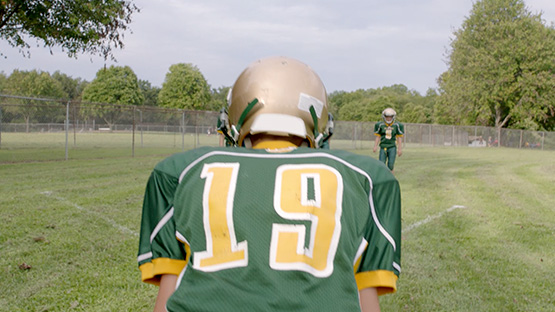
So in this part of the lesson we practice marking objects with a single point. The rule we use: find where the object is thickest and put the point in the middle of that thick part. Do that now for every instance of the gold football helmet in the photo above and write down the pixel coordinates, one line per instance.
(277, 96)
(389, 113)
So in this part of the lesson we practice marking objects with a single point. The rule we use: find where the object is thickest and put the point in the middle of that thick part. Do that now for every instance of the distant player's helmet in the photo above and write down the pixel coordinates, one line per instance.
(278, 96)
(389, 113)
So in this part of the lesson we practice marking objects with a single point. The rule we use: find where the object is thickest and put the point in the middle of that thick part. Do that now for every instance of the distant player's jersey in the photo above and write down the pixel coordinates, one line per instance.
(252, 230)
(388, 133)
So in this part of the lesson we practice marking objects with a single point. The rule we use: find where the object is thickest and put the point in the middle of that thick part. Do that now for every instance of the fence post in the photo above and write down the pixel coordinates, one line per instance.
(354, 141)
(67, 129)
(543, 139)
(405, 137)
(520, 142)
(421, 135)
(141, 125)
(74, 128)
(360, 127)
(183, 131)
(197, 142)
(133, 135)
(0, 127)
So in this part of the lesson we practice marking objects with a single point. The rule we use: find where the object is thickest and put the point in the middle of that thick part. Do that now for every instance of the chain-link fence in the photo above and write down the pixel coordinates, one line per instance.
(47, 126)
(361, 135)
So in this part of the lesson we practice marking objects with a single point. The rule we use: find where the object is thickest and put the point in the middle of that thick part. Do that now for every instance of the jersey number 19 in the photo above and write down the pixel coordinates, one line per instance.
(311, 192)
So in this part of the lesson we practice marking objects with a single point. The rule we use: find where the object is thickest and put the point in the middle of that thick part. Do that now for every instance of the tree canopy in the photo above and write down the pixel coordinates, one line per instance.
(77, 26)
(184, 87)
(218, 98)
(367, 105)
(150, 93)
(115, 85)
(73, 87)
(3, 79)
(32, 84)
(501, 69)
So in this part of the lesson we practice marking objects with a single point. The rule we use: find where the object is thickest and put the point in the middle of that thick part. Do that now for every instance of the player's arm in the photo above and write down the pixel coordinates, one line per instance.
(377, 134)
(376, 143)
(400, 139)
(160, 253)
(369, 301)
(399, 145)
(167, 287)
(378, 267)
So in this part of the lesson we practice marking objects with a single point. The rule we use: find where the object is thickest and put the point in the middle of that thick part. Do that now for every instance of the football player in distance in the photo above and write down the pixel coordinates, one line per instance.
(276, 223)
(389, 134)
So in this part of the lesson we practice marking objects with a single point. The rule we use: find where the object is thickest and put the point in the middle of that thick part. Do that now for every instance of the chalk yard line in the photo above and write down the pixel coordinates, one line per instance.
(95, 214)
(430, 218)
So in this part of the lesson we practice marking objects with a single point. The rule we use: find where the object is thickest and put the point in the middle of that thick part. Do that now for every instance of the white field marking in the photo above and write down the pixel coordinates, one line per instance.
(97, 215)
(430, 218)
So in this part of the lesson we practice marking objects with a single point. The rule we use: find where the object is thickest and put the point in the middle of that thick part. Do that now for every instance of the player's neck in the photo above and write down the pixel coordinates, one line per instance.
(268, 141)
(273, 144)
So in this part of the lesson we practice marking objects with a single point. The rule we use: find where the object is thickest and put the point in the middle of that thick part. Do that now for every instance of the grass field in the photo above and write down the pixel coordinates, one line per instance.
(21, 147)
(478, 229)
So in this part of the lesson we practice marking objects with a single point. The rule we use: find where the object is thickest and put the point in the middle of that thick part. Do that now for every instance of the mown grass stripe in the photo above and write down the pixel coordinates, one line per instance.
(96, 215)
(430, 218)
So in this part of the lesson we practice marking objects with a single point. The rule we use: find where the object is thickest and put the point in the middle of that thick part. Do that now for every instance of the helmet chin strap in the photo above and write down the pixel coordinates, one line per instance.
(222, 126)
(223, 121)
(321, 139)
(329, 130)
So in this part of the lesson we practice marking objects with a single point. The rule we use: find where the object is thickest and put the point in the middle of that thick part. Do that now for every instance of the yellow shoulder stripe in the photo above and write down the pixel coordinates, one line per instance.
(151, 271)
(385, 281)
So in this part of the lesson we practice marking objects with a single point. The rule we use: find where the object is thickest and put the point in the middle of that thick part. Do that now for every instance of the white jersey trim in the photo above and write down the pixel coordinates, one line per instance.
(397, 266)
(360, 250)
(161, 224)
(144, 256)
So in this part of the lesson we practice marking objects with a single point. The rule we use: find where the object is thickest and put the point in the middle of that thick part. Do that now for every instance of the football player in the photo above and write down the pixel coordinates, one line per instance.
(389, 134)
(272, 222)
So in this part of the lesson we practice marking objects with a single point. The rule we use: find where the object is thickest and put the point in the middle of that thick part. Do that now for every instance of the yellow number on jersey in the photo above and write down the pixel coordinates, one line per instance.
(311, 193)
(388, 133)
(222, 249)
(302, 192)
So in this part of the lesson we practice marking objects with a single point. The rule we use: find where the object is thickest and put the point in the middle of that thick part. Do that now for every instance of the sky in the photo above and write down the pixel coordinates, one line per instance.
(351, 44)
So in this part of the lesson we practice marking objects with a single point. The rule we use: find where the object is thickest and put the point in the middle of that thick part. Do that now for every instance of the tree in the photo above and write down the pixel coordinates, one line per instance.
(218, 98)
(501, 69)
(94, 27)
(365, 108)
(351, 105)
(114, 85)
(415, 113)
(33, 84)
(3, 79)
(150, 93)
(184, 87)
(367, 105)
(72, 87)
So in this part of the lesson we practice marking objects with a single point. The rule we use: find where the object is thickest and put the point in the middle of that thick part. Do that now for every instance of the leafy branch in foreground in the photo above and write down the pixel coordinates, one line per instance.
(77, 26)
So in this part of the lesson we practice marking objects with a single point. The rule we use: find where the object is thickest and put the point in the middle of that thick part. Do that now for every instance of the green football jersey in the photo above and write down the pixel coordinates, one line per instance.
(388, 133)
(256, 230)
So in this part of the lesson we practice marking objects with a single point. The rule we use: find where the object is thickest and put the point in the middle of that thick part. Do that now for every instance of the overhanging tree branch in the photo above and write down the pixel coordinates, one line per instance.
(74, 25)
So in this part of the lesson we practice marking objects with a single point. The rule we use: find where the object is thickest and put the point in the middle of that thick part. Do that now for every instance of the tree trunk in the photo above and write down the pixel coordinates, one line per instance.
(500, 124)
